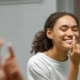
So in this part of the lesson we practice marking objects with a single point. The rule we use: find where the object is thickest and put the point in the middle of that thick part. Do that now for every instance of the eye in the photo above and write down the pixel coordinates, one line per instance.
(63, 29)
(75, 30)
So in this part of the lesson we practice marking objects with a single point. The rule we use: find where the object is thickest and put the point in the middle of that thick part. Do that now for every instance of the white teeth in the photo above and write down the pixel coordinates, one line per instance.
(69, 40)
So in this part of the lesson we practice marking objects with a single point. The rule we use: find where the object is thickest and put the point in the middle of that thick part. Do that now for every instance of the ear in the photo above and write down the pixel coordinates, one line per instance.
(49, 33)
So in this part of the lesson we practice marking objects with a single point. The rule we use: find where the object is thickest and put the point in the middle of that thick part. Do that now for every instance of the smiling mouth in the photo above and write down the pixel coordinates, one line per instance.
(68, 41)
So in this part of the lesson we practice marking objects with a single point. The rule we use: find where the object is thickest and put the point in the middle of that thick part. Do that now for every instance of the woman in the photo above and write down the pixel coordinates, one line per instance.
(51, 62)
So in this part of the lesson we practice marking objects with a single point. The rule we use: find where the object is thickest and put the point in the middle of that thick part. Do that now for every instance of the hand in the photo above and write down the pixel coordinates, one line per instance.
(74, 53)
(1, 44)
(2, 75)
(11, 66)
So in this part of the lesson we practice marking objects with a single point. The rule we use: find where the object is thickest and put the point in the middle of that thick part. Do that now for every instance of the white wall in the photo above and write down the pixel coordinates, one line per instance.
(19, 23)
(77, 12)
(65, 5)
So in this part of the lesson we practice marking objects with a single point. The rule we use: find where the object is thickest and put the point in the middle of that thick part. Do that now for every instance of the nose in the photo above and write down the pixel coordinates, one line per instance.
(70, 32)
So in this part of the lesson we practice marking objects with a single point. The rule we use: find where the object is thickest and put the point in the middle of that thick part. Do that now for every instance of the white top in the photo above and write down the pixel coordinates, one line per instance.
(42, 67)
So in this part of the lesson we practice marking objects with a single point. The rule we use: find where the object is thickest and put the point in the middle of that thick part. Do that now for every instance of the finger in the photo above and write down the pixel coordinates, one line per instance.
(11, 50)
(1, 42)
(0, 62)
(71, 48)
(74, 44)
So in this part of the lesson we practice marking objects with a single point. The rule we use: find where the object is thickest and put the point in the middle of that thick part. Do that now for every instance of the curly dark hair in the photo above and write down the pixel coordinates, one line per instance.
(41, 42)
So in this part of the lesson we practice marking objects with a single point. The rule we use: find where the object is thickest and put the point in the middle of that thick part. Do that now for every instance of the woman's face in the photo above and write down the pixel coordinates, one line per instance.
(62, 32)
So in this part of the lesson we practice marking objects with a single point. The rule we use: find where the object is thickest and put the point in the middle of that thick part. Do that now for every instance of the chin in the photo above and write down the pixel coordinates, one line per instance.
(67, 46)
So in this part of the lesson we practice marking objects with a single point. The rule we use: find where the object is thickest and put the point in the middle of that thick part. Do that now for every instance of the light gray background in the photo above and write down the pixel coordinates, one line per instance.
(20, 22)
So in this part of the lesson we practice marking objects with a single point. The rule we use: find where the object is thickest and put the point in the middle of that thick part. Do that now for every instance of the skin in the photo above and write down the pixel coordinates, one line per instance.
(2, 75)
(9, 70)
(58, 34)
(63, 29)
(11, 67)
(74, 54)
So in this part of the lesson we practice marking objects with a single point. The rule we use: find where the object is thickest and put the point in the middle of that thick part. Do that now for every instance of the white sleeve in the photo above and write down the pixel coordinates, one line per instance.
(35, 74)
(37, 71)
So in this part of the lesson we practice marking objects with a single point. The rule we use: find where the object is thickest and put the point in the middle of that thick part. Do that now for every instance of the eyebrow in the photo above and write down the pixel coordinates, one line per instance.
(68, 26)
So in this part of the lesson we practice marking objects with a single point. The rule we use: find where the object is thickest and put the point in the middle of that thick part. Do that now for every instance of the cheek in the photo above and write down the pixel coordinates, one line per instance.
(58, 36)
(61, 34)
(77, 35)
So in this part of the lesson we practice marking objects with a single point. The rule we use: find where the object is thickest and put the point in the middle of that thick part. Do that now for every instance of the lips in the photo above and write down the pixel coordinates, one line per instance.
(68, 41)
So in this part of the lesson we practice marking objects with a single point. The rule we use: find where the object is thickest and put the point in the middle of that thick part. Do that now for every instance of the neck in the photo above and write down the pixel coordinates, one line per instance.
(57, 54)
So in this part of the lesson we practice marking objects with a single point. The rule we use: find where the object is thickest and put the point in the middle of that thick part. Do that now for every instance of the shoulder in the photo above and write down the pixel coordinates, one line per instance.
(37, 62)
(34, 60)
